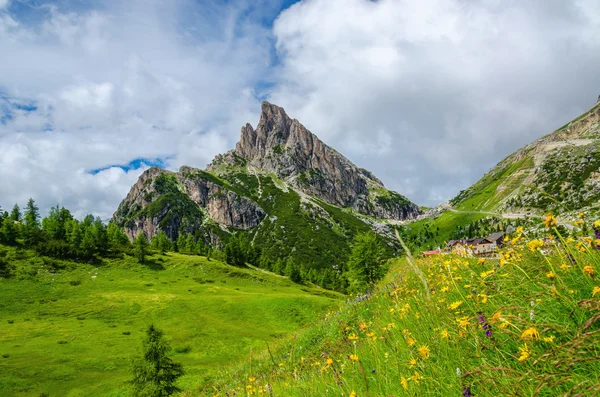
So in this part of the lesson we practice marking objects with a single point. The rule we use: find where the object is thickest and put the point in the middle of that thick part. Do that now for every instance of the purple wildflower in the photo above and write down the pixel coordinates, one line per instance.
(467, 391)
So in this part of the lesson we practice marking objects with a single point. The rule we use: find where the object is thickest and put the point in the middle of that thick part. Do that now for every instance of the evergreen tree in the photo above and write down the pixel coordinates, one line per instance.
(200, 248)
(180, 243)
(161, 242)
(292, 271)
(365, 264)
(54, 224)
(117, 239)
(100, 236)
(278, 266)
(74, 235)
(15, 214)
(190, 244)
(154, 373)
(31, 223)
(234, 254)
(88, 244)
(140, 247)
(9, 232)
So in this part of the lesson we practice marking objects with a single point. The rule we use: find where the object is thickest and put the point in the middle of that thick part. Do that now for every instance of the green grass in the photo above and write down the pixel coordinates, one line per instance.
(487, 193)
(431, 233)
(72, 333)
(436, 342)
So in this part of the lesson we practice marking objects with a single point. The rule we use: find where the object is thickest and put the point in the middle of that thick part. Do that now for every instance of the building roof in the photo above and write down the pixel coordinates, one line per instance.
(495, 236)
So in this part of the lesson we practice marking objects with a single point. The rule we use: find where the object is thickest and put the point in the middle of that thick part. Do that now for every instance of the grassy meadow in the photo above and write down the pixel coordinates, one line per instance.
(525, 324)
(73, 331)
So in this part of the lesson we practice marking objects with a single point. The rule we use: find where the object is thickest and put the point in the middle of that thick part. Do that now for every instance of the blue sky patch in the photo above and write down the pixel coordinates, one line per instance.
(134, 164)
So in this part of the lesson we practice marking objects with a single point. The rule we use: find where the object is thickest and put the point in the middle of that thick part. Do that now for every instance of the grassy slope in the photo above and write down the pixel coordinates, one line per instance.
(398, 333)
(212, 313)
(487, 193)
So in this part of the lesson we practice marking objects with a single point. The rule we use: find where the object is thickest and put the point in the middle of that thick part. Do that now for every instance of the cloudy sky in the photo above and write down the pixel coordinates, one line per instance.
(426, 94)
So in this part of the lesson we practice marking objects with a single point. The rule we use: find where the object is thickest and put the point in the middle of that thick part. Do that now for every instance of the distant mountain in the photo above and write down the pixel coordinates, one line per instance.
(282, 188)
(559, 172)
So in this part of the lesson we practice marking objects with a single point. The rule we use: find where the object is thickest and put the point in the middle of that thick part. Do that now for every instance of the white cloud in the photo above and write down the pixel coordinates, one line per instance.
(428, 95)
(123, 81)
(453, 86)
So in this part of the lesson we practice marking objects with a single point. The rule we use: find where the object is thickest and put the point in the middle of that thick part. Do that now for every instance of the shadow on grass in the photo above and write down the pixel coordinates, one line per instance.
(153, 264)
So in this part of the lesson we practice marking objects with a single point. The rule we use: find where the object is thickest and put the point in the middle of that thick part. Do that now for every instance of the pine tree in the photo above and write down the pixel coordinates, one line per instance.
(31, 223)
(365, 264)
(190, 244)
(88, 243)
(154, 373)
(140, 247)
(74, 235)
(9, 232)
(180, 244)
(117, 239)
(161, 242)
(292, 271)
(234, 254)
(15, 214)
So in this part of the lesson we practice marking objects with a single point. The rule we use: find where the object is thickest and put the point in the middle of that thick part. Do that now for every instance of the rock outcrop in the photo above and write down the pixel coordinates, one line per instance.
(183, 201)
(285, 147)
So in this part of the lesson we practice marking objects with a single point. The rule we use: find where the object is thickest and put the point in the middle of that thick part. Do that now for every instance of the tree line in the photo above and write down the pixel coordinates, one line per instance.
(59, 235)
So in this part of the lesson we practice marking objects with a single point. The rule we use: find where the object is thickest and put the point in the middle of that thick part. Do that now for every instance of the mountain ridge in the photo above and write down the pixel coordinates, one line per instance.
(276, 189)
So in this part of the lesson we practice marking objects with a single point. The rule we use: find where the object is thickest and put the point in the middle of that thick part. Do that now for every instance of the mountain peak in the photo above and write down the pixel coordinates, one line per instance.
(283, 146)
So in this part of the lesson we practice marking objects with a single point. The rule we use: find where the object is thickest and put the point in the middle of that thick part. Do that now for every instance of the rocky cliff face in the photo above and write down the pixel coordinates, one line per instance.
(183, 202)
(285, 147)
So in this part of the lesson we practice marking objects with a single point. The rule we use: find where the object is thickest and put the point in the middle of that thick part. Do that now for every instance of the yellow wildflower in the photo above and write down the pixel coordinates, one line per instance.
(424, 352)
(404, 382)
(524, 353)
(445, 334)
(597, 224)
(412, 362)
(495, 317)
(588, 270)
(551, 275)
(353, 337)
(480, 260)
(463, 322)
(410, 341)
(444, 289)
(485, 274)
(353, 357)
(519, 230)
(530, 334)
(534, 245)
(580, 215)
(549, 339)
(353, 394)
(550, 221)
(329, 361)
(416, 377)
(363, 326)
(251, 380)
(484, 298)
(564, 267)
(595, 291)
(455, 305)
